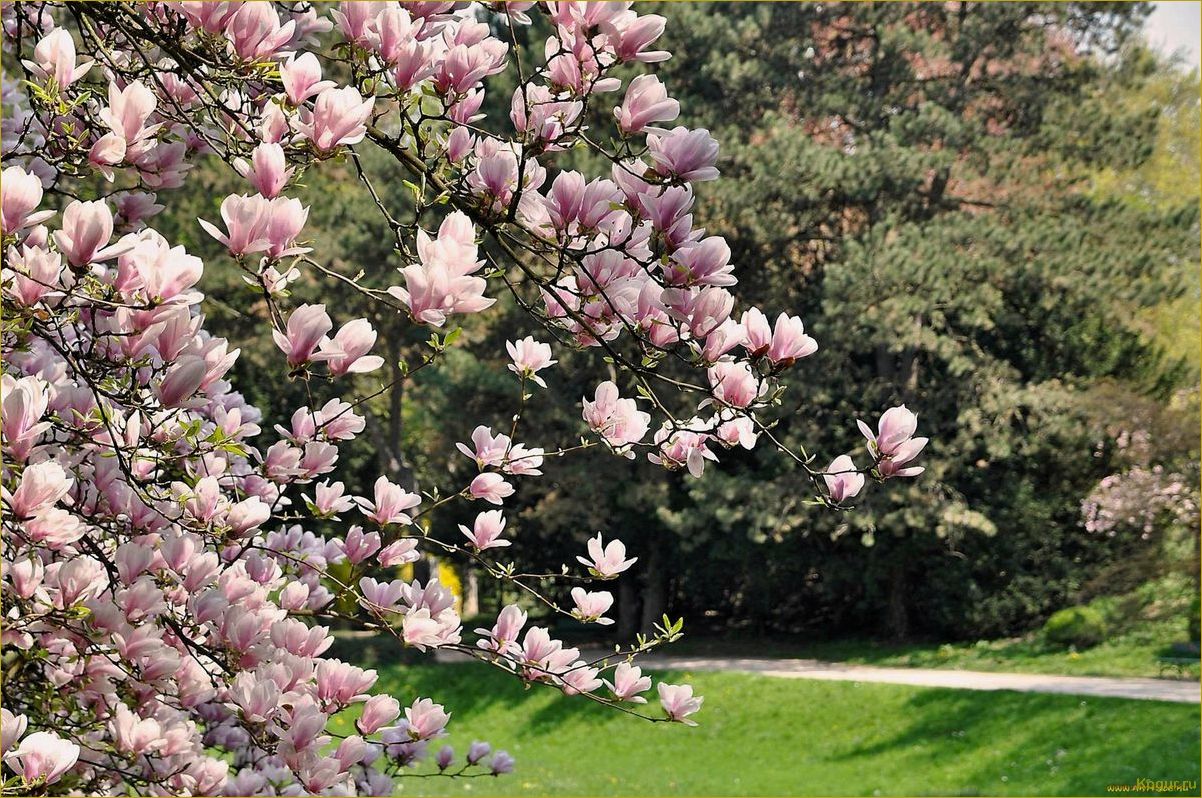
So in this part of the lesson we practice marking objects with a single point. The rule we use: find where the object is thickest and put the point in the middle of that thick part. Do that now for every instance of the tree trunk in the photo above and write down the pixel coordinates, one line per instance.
(390, 454)
(897, 617)
(628, 610)
(655, 592)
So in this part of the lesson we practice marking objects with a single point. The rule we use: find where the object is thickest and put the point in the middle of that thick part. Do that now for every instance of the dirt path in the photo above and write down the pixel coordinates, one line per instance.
(1185, 692)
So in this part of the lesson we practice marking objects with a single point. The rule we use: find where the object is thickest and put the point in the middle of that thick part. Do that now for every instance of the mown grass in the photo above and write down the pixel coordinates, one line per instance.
(765, 736)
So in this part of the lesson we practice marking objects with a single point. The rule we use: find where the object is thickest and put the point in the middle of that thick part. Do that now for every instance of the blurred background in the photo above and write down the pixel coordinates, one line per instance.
(989, 212)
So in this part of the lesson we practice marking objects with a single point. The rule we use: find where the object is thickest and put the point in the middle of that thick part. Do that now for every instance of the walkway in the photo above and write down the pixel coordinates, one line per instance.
(1185, 692)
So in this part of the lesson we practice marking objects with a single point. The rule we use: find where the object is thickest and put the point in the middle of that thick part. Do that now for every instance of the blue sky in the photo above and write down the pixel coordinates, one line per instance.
(1174, 26)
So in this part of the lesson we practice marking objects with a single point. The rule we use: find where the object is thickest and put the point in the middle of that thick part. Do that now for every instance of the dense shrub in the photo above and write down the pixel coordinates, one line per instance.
(1079, 627)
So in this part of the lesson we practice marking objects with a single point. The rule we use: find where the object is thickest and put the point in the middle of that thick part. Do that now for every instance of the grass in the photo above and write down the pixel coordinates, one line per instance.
(764, 736)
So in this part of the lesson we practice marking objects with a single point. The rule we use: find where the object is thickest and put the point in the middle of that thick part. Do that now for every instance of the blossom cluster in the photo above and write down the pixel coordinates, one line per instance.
(168, 593)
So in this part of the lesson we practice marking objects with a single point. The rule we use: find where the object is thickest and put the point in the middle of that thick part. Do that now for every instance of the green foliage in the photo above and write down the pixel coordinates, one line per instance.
(1079, 627)
(968, 220)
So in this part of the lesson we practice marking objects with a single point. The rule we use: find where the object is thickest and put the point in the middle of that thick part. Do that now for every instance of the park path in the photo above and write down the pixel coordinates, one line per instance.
(1180, 691)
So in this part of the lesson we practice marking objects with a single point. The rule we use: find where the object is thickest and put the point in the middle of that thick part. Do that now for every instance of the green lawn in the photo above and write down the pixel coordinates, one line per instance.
(764, 736)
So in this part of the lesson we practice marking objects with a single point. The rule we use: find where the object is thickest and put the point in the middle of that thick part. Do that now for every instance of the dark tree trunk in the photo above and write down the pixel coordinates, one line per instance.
(391, 454)
(628, 610)
(655, 592)
(897, 617)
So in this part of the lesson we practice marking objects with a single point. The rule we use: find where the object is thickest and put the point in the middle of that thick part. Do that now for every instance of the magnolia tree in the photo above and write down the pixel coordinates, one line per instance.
(165, 587)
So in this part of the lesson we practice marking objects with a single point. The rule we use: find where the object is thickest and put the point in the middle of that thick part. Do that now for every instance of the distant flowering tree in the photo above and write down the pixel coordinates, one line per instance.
(1145, 499)
(164, 587)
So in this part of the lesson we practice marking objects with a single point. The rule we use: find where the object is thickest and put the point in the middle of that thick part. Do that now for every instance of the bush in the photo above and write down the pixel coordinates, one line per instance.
(1080, 627)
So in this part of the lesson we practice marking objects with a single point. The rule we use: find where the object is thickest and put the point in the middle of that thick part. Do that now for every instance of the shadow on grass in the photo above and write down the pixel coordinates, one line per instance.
(1075, 746)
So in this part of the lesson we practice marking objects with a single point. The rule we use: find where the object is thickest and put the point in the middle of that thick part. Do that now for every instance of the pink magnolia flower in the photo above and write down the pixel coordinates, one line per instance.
(349, 349)
(42, 485)
(283, 220)
(477, 751)
(842, 480)
(487, 449)
(244, 217)
(133, 208)
(426, 719)
(502, 638)
(391, 503)
(606, 561)
(646, 101)
(705, 309)
(536, 111)
(301, 76)
(330, 499)
(579, 678)
(306, 330)
(501, 763)
(682, 448)
(705, 262)
(350, 752)
(486, 531)
(523, 460)
(127, 113)
(36, 272)
(12, 728)
(399, 553)
(678, 702)
(360, 545)
(590, 605)
(24, 404)
(267, 171)
(443, 282)
(723, 338)
(490, 487)
(26, 576)
(381, 596)
(894, 443)
(210, 16)
(355, 18)
(342, 684)
(684, 154)
(529, 357)
(54, 57)
(255, 31)
(617, 420)
(757, 332)
(894, 465)
(135, 735)
(20, 195)
(897, 425)
(378, 711)
(87, 228)
(42, 756)
(737, 431)
(630, 35)
(735, 383)
(339, 117)
(789, 341)
(628, 682)
(108, 151)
